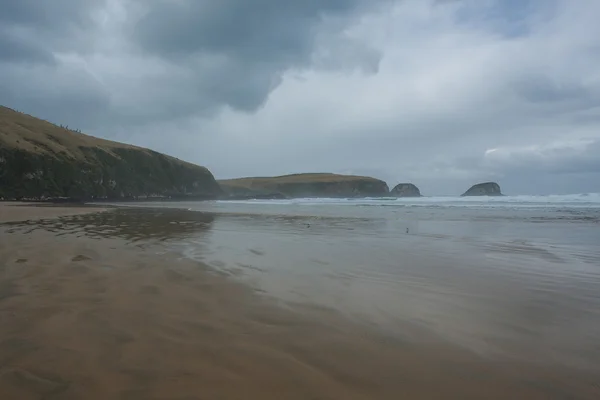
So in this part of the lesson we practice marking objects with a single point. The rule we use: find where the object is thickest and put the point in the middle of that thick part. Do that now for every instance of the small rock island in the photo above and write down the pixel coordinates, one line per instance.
(484, 189)
(405, 190)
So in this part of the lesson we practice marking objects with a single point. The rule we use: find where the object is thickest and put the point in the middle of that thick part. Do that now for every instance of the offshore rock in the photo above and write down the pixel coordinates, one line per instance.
(484, 189)
(405, 190)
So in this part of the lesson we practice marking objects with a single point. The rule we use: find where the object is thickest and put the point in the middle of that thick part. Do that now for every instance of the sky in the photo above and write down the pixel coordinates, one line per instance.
(440, 93)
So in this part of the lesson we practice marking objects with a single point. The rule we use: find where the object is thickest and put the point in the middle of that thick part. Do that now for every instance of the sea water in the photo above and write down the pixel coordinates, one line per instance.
(512, 276)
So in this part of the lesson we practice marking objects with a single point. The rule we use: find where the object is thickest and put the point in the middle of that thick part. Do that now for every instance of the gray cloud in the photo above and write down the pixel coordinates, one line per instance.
(156, 60)
(18, 49)
(249, 44)
(32, 33)
(57, 24)
(542, 89)
(54, 16)
(442, 93)
(267, 30)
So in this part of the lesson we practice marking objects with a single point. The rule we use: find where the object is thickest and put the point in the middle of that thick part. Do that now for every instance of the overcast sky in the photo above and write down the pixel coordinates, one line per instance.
(442, 93)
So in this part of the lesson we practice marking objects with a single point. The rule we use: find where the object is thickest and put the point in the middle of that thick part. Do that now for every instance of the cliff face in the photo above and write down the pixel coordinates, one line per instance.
(484, 189)
(307, 185)
(405, 190)
(42, 160)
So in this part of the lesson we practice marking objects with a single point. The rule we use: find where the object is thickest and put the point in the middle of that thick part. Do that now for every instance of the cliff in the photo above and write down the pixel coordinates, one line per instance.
(484, 189)
(41, 160)
(405, 190)
(306, 185)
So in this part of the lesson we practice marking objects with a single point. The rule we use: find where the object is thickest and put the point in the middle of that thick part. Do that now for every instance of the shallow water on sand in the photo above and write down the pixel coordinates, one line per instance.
(512, 280)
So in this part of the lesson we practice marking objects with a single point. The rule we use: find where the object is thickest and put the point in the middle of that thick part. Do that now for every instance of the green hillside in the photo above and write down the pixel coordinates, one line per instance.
(42, 160)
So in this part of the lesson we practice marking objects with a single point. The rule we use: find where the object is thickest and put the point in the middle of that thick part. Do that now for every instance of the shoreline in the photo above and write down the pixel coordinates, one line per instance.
(99, 318)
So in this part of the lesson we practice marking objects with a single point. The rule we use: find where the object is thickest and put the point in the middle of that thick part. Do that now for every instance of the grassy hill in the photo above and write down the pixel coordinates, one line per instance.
(42, 160)
(306, 185)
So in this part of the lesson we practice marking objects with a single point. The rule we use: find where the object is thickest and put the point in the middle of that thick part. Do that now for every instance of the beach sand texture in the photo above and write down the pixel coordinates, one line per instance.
(84, 318)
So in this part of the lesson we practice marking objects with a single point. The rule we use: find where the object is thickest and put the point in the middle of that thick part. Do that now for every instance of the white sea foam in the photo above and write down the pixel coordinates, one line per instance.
(588, 200)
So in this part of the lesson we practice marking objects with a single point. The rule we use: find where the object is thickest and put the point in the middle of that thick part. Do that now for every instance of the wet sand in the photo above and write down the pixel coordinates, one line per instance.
(84, 318)
(15, 211)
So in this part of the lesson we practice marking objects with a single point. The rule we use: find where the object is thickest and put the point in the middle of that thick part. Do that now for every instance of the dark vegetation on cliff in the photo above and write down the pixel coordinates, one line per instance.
(484, 189)
(305, 185)
(41, 160)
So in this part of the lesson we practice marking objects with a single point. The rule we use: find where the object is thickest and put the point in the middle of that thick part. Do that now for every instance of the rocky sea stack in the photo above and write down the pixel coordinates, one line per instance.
(405, 190)
(40, 160)
(305, 185)
(484, 189)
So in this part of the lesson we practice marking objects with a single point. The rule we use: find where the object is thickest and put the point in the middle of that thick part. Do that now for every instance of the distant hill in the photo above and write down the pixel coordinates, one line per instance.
(305, 185)
(41, 160)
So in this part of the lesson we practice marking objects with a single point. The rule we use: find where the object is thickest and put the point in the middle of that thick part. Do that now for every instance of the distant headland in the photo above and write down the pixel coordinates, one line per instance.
(306, 185)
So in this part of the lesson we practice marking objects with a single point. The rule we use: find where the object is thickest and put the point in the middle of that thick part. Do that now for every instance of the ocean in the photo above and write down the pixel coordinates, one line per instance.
(506, 277)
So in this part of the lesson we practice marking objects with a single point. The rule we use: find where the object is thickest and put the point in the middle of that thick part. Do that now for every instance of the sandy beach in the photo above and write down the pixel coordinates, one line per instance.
(84, 318)
(15, 211)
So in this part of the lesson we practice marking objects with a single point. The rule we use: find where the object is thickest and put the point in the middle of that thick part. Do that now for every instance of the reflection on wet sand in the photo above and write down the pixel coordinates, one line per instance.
(133, 225)
(493, 287)
(99, 319)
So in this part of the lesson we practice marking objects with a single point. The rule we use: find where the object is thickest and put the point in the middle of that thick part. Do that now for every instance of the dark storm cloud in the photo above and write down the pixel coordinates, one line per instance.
(30, 29)
(205, 55)
(266, 31)
(53, 15)
(253, 41)
(193, 57)
(32, 79)
(16, 49)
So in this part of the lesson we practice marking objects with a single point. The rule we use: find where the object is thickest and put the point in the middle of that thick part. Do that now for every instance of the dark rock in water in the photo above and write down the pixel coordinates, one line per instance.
(405, 190)
(307, 185)
(40, 160)
(484, 189)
